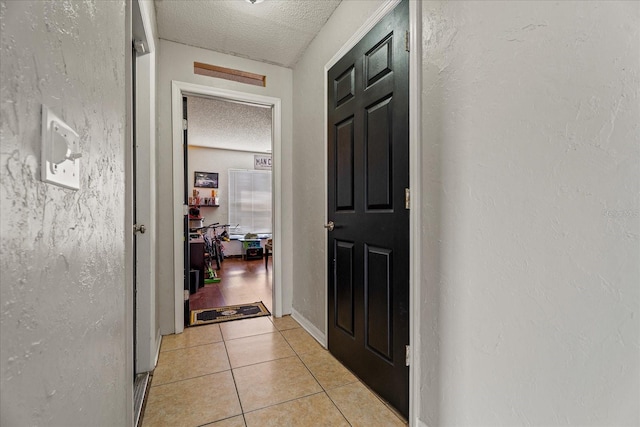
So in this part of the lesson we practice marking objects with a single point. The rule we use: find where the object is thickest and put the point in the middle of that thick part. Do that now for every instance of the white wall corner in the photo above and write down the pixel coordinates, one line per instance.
(309, 327)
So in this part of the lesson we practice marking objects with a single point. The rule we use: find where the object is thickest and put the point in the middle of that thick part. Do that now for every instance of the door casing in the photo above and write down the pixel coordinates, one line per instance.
(128, 220)
(415, 139)
(179, 89)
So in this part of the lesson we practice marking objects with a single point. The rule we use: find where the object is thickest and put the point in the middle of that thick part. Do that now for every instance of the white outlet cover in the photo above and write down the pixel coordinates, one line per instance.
(60, 158)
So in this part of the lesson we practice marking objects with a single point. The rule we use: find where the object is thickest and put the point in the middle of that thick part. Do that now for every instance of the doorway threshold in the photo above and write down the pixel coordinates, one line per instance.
(140, 385)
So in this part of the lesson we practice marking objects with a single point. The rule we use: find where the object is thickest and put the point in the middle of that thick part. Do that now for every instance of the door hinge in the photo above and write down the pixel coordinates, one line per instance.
(184, 124)
(407, 198)
(407, 42)
(407, 355)
(139, 47)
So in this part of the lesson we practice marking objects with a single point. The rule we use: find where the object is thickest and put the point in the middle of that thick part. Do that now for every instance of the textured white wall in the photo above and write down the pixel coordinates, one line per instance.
(309, 266)
(62, 352)
(176, 63)
(531, 141)
(219, 161)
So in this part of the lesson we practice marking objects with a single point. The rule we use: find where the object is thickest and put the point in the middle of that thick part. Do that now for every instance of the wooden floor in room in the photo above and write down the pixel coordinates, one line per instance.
(241, 282)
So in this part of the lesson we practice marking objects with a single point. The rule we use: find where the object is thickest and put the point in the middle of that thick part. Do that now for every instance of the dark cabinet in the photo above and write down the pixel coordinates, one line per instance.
(196, 247)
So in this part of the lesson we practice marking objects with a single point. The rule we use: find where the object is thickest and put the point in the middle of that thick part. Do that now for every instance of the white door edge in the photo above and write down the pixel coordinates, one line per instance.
(178, 90)
(146, 329)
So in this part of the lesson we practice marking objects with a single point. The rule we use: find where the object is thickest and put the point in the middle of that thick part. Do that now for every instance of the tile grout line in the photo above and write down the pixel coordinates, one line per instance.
(235, 384)
(192, 346)
(265, 361)
(232, 369)
(257, 363)
(243, 412)
(192, 378)
(286, 401)
(221, 419)
(251, 336)
(244, 418)
(380, 399)
(283, 402)
(357, 380)
(326, 392)
(188, 346)
(339, 410)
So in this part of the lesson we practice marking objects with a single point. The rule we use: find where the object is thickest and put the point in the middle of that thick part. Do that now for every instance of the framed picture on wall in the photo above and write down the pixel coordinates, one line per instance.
(205, 179)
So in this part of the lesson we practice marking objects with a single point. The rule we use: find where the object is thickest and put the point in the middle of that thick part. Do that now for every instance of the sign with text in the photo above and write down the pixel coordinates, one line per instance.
(262, 162)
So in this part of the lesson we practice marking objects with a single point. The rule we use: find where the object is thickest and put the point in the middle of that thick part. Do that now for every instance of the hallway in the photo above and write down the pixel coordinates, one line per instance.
(256, 372)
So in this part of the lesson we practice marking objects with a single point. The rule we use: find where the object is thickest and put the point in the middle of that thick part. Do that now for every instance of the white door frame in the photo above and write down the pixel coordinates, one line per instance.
(415, 152)
(178, 90)
(128, 220)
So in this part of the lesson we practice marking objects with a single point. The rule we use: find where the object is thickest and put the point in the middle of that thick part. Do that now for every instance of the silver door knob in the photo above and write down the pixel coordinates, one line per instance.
(139, 228)
(330, 226)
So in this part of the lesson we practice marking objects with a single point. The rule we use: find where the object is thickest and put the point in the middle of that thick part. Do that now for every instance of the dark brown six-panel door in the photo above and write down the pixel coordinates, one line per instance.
(368, 171)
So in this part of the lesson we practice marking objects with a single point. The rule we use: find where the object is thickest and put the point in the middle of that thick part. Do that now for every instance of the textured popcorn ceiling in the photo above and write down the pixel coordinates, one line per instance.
(275, 31)
(228, 125)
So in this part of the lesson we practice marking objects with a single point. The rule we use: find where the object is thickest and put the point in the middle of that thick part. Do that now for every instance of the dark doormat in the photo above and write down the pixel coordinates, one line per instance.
(231, 312)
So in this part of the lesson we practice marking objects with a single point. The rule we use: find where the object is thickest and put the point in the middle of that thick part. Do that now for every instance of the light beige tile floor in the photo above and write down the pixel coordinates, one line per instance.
(257, 372)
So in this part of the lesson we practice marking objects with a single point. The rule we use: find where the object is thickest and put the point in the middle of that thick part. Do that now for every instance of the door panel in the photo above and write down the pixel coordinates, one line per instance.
(378, 145)
(368, 170)
(344, 165)
(378, 295)
(378, 61)
(345, 86)
(344, 286)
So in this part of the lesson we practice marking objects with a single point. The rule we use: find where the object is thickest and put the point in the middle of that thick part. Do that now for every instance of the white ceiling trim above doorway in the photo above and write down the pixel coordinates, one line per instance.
(178, 90)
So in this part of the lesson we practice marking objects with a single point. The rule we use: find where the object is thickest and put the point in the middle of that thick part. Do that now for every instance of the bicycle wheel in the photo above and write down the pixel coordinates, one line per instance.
(216, 256)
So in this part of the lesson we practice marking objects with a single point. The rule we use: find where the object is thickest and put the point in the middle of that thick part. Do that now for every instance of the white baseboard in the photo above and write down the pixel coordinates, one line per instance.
(159, 342)
(420, 423)
(309, 327)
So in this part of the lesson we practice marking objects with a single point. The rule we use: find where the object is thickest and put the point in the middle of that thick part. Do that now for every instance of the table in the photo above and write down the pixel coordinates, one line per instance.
(251, 249)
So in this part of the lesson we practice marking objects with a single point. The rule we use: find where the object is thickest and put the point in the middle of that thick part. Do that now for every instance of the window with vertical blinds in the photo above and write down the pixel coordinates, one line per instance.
(250, 201)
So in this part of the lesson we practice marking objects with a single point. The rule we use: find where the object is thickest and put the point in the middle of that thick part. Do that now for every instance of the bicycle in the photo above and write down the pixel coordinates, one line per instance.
(214, 250)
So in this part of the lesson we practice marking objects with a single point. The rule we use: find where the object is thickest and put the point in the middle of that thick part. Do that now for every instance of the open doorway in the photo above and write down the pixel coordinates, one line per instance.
(229, 186)
(180, 188)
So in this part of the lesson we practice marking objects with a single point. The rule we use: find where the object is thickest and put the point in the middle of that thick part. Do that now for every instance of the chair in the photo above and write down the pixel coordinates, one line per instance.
(267, 247)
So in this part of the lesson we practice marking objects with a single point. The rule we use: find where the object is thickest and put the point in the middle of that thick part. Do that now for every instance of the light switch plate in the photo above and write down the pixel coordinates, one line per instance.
(60, 157)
